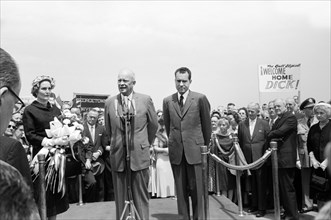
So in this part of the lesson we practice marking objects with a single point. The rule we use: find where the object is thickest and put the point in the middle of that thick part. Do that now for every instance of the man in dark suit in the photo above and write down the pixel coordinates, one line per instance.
(141, 131)
(11, 151)
(93, 179)
(285, 130)
(188, 126)
(252, 134)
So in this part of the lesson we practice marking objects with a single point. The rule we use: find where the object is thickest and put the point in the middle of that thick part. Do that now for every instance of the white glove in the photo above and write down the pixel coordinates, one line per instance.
(61, 141)
(298, 164)
(313, 160)
(47, 142)
(324, 164)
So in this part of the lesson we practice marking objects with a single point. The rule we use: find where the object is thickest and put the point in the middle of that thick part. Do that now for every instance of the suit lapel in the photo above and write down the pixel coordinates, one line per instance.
(119, 105)
(188, 103)
(175, 103)
(255, 131)
(247, 128)
(279, 121)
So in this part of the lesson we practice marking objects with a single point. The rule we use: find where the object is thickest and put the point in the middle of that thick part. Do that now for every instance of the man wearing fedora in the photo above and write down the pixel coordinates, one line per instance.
(303, 162)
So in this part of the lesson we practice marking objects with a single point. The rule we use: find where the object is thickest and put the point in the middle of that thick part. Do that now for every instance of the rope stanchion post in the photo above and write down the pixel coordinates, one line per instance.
(240, 205)
(274, 162)
(204, 155)
(217, 180)
(42, 193)
(80, 190)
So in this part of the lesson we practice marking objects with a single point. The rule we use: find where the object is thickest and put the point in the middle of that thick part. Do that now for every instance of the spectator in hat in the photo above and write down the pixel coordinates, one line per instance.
(303, 162)
(36, 118)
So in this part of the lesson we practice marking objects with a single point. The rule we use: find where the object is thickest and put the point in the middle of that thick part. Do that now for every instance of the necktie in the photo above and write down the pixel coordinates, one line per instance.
(92, 133)
(271, 123)
(308, 122)
(125, 104)
(181, 103)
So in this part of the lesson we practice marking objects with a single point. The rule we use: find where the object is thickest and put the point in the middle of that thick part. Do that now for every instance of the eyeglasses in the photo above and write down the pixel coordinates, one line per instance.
(19, 104)
(12, 126)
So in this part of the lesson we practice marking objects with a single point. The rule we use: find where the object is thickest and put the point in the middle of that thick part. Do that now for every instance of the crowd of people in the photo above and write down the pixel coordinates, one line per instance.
(160, 150)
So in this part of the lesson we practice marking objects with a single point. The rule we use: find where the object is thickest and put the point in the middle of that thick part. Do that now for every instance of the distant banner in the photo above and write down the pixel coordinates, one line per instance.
(87, 101)
(279, 78)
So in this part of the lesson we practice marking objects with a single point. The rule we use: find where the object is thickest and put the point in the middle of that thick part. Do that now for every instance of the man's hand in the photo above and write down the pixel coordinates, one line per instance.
(96, 155)
(88, 164)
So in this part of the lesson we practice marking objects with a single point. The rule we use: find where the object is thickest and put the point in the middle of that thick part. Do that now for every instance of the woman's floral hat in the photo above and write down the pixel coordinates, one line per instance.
(39, 79)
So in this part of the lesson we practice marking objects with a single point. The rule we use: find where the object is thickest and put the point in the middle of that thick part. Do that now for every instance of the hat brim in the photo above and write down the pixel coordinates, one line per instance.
(311, 105)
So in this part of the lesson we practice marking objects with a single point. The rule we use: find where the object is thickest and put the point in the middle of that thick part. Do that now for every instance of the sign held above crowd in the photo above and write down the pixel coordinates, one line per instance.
(279, 77)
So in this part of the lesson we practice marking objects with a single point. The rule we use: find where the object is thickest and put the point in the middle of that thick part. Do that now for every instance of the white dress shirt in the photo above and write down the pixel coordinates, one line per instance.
(252, 126)
(184, 96)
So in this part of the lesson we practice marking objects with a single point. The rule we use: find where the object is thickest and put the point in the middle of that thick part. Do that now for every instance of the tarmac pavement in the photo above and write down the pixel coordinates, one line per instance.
(166, 209)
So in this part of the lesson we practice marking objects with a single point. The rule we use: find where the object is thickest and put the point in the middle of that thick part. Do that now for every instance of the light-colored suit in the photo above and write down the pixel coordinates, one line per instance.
(142, 133)
(187, 132)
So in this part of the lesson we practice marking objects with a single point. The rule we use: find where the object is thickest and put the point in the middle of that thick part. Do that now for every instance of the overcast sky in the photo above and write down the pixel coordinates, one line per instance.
(84, 44)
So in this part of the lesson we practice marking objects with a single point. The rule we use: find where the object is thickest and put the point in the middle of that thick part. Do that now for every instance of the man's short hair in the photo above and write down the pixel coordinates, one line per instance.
(16, 196)
(9, 75)
(183, 70)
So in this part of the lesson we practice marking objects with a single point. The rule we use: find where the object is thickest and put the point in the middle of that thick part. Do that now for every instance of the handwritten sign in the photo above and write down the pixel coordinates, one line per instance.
(279, 78)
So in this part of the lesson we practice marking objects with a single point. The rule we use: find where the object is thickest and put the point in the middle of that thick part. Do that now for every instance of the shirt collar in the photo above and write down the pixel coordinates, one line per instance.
(252, 121)
(129, 96)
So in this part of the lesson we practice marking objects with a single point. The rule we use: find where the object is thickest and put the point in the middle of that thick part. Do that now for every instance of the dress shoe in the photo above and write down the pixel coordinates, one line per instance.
(260, 213)
(250, 210)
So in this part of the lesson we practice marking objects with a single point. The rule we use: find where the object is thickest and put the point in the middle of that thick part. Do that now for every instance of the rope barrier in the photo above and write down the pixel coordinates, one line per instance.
(255, 164)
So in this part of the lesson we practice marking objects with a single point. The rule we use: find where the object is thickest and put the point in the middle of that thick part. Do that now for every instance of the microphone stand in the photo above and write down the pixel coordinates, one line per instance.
(127, 118)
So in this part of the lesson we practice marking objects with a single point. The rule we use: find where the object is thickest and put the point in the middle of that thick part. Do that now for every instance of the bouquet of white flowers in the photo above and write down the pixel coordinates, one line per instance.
(64, 135)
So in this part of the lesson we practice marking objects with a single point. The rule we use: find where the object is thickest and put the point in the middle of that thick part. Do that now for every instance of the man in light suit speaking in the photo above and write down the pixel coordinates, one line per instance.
(141, 134)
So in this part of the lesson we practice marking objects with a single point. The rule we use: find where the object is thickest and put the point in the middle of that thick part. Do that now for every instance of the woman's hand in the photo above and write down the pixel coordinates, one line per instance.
(47, 142)
(324, 164)
(61, 141)
(313, 160)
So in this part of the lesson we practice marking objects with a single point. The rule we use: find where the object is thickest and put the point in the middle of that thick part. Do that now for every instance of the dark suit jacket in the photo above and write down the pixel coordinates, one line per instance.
(13, 153)
(144, 126)
(253, 147)
(285, 128)
(100, 138)
(187, 131)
